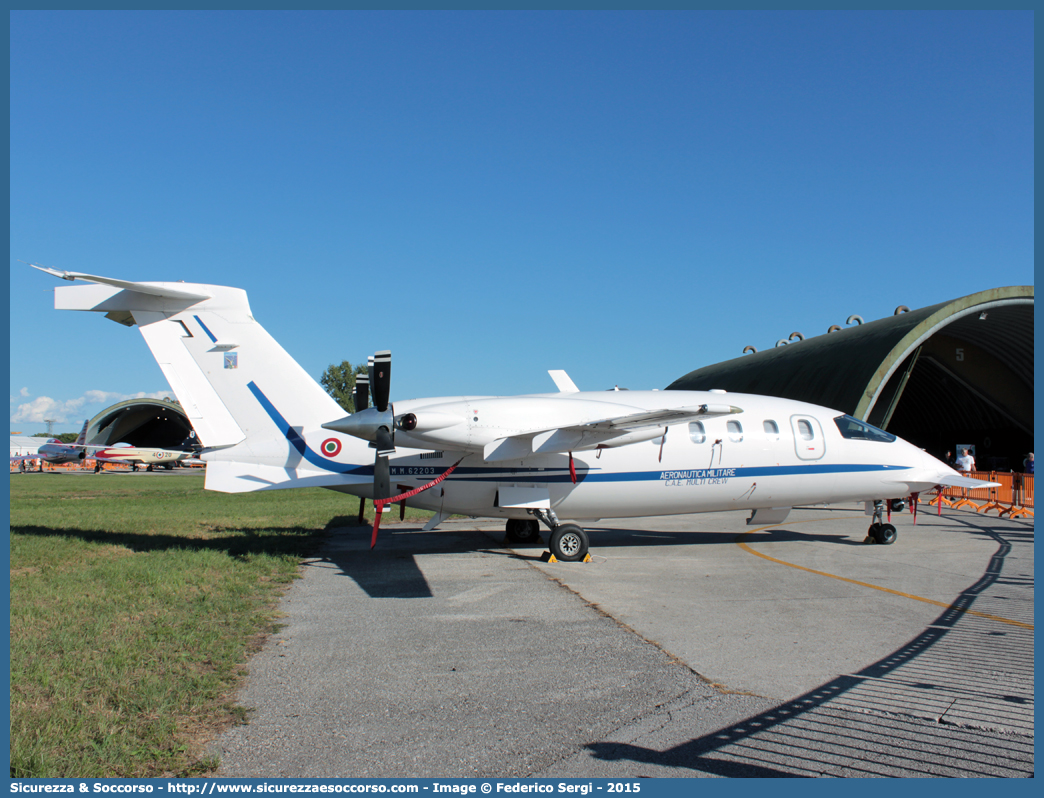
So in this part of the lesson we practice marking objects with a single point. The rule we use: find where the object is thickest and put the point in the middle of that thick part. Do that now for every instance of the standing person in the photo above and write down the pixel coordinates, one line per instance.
(1027, 464)
(949, 459)
(965, 462)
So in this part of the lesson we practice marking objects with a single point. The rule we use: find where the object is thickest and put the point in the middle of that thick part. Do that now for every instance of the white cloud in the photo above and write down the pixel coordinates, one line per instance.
(24, 392)
(101, 397)
(44, 407)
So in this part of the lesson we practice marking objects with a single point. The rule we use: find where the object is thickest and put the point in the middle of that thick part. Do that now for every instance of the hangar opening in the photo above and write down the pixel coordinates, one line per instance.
(149, 423)
(960, 372)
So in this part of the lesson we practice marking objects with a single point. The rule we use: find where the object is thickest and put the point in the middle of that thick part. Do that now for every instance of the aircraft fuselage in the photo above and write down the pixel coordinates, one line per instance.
(774, 453)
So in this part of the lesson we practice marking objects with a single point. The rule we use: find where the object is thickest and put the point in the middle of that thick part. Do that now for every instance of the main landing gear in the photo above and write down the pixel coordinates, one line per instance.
(523, 530)
(879, 532)
(568, 542)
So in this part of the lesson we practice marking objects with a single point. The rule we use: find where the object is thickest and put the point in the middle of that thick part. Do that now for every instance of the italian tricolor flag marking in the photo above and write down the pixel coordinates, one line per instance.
(331, 447)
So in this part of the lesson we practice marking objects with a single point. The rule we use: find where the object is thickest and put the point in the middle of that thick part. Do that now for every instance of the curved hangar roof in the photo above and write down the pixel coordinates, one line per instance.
(152, 423)
(962, 367)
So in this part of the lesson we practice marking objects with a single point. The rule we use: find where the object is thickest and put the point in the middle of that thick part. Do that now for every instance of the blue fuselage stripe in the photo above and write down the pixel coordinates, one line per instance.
(298, 442)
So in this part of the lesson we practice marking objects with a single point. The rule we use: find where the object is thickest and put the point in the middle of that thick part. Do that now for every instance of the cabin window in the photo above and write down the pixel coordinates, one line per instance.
(805, 430)
(856, 430)
(735, 431)
(771, 429)
(697, 434)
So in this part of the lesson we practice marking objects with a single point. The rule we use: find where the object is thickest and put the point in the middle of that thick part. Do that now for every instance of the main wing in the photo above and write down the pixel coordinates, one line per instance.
(607, 432)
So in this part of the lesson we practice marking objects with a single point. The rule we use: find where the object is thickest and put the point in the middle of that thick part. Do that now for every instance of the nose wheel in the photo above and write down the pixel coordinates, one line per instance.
(880, 532)
(883, 533)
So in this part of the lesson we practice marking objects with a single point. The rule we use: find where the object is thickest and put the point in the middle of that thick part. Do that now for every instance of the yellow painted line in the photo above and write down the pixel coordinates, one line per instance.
(749, 550)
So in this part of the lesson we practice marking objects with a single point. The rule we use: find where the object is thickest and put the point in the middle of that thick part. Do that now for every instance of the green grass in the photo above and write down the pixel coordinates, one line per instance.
(135, 602)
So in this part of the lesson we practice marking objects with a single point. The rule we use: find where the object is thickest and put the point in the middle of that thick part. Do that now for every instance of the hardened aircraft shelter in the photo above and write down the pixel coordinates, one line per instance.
(960, 372)
(151, 423)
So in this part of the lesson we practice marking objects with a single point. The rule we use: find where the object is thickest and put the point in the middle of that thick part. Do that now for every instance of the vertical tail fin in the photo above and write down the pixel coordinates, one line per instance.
(81, 439)
(239, 388)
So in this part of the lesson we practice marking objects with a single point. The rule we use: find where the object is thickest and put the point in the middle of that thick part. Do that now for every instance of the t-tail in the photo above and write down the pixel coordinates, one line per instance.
(256, 411)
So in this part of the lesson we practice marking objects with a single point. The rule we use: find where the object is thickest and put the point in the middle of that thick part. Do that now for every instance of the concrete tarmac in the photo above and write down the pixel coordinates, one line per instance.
(689, 646)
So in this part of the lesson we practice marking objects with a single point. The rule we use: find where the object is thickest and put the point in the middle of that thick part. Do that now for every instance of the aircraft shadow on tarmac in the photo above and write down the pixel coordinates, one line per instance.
(391, 571)
(853, 725)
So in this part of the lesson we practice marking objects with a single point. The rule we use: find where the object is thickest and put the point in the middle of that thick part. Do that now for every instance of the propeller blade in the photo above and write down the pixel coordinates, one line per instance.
(381, 470)
(381, 478)
(362, 392)
(381, 380)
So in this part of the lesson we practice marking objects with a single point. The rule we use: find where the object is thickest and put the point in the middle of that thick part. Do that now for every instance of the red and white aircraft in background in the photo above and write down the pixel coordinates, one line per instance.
(572, 454)
(28, 450)
(135, 455)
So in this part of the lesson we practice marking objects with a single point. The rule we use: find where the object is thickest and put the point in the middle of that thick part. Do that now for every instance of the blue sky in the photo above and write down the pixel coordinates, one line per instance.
(626, 196)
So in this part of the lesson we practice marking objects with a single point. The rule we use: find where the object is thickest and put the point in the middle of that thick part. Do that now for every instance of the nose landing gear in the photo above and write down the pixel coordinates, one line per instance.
(880, 532)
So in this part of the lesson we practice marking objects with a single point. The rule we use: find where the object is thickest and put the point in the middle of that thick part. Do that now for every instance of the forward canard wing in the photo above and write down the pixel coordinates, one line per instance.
(952, 480)
(959, 481)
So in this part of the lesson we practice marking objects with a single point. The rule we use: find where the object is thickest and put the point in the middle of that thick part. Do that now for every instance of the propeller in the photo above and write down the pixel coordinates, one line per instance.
(361, 393)
(381, 379)
(375, 424)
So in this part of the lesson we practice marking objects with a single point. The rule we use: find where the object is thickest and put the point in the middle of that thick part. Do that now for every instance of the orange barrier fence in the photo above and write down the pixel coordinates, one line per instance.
(1014, 496)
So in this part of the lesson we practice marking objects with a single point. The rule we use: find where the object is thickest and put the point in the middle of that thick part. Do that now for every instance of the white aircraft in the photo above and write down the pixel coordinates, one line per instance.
(567, 455)
(51, 450)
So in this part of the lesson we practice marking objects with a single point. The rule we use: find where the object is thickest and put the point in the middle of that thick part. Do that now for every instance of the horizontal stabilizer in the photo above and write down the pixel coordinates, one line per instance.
(152, 289)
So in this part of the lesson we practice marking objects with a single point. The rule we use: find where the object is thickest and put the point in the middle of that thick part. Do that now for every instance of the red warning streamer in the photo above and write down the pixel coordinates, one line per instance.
(380, 504)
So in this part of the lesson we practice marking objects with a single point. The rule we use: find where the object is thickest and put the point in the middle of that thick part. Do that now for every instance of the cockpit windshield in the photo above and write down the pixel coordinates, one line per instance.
(856, 430)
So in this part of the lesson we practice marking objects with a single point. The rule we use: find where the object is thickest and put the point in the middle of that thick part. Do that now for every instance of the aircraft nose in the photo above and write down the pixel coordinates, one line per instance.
(931, 469)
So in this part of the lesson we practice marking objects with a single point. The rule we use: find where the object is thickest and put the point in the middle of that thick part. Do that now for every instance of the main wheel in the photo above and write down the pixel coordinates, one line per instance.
(522, 530)
(569, 543)
(885, 534)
